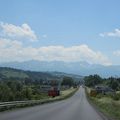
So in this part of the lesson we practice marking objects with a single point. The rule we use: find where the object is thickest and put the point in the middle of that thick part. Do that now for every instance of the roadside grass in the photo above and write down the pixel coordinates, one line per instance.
(67, 92)
(40, 96)
(106, 105)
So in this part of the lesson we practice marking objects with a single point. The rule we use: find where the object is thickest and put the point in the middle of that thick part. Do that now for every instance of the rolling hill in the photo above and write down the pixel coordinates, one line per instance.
(17, 74)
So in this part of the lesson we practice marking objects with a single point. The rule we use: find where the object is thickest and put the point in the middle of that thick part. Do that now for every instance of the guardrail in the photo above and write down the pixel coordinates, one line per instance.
(14, 104)
(18, 102)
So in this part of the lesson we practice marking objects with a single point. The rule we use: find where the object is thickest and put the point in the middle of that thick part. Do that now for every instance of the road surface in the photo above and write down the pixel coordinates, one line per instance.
(74, 108)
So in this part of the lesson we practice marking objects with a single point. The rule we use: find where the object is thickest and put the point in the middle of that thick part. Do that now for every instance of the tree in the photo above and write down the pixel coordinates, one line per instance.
(26, 93)
(92, 80)
(6, 93)
(68, 81)
(113, 83)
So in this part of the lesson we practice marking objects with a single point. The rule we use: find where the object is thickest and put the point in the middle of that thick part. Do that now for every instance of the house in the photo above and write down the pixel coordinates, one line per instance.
(104, 90)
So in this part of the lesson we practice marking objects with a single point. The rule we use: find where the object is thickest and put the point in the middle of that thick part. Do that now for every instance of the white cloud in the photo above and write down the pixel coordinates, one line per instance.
(115, 33)
(19, 32)
(117, 53)
(15, 51)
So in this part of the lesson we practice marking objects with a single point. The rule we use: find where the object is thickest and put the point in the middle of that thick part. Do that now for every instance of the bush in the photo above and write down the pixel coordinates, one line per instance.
(116, 96)
(99, 95)
(93, 93)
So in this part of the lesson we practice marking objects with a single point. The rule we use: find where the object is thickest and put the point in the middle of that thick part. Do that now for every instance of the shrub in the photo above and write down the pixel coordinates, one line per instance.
(116, 96)
(93, 93)
(99, 95)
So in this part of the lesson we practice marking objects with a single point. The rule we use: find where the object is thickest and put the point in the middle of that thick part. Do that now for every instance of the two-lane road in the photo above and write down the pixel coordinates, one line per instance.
(74, 108)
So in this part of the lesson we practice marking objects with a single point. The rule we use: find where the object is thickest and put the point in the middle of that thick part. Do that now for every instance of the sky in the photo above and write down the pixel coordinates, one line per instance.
(60, 30)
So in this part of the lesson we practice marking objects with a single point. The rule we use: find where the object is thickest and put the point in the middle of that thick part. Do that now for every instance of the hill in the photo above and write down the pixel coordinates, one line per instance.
(17, 74)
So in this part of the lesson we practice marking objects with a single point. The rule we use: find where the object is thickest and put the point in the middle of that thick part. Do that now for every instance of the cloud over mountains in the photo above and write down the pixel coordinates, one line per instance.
(13, 49)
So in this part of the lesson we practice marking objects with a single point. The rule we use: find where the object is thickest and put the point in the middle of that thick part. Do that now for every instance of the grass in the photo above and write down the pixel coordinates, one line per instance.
(67, 92)
(107, 105)
(40, 96)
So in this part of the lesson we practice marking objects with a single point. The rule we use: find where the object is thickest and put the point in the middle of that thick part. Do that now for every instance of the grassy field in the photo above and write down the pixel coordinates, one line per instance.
(107, 105)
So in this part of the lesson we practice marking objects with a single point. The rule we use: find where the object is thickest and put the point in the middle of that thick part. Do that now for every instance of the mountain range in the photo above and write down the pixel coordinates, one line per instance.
(78, 68)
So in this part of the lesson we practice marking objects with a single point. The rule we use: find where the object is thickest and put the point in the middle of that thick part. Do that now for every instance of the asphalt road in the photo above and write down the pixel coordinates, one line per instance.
(75, 108)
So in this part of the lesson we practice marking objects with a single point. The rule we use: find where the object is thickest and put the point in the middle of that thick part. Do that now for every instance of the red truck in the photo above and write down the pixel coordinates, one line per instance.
(54, 92)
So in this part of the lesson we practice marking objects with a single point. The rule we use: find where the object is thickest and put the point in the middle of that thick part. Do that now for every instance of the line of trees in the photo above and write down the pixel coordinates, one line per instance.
(93, 80)
(70, 82)
(13, 90)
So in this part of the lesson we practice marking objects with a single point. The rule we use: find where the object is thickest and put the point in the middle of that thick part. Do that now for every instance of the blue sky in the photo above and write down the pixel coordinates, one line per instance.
(90, 24)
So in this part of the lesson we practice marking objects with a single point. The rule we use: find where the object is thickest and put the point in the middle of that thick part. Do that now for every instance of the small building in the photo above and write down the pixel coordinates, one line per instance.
(104, 90)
